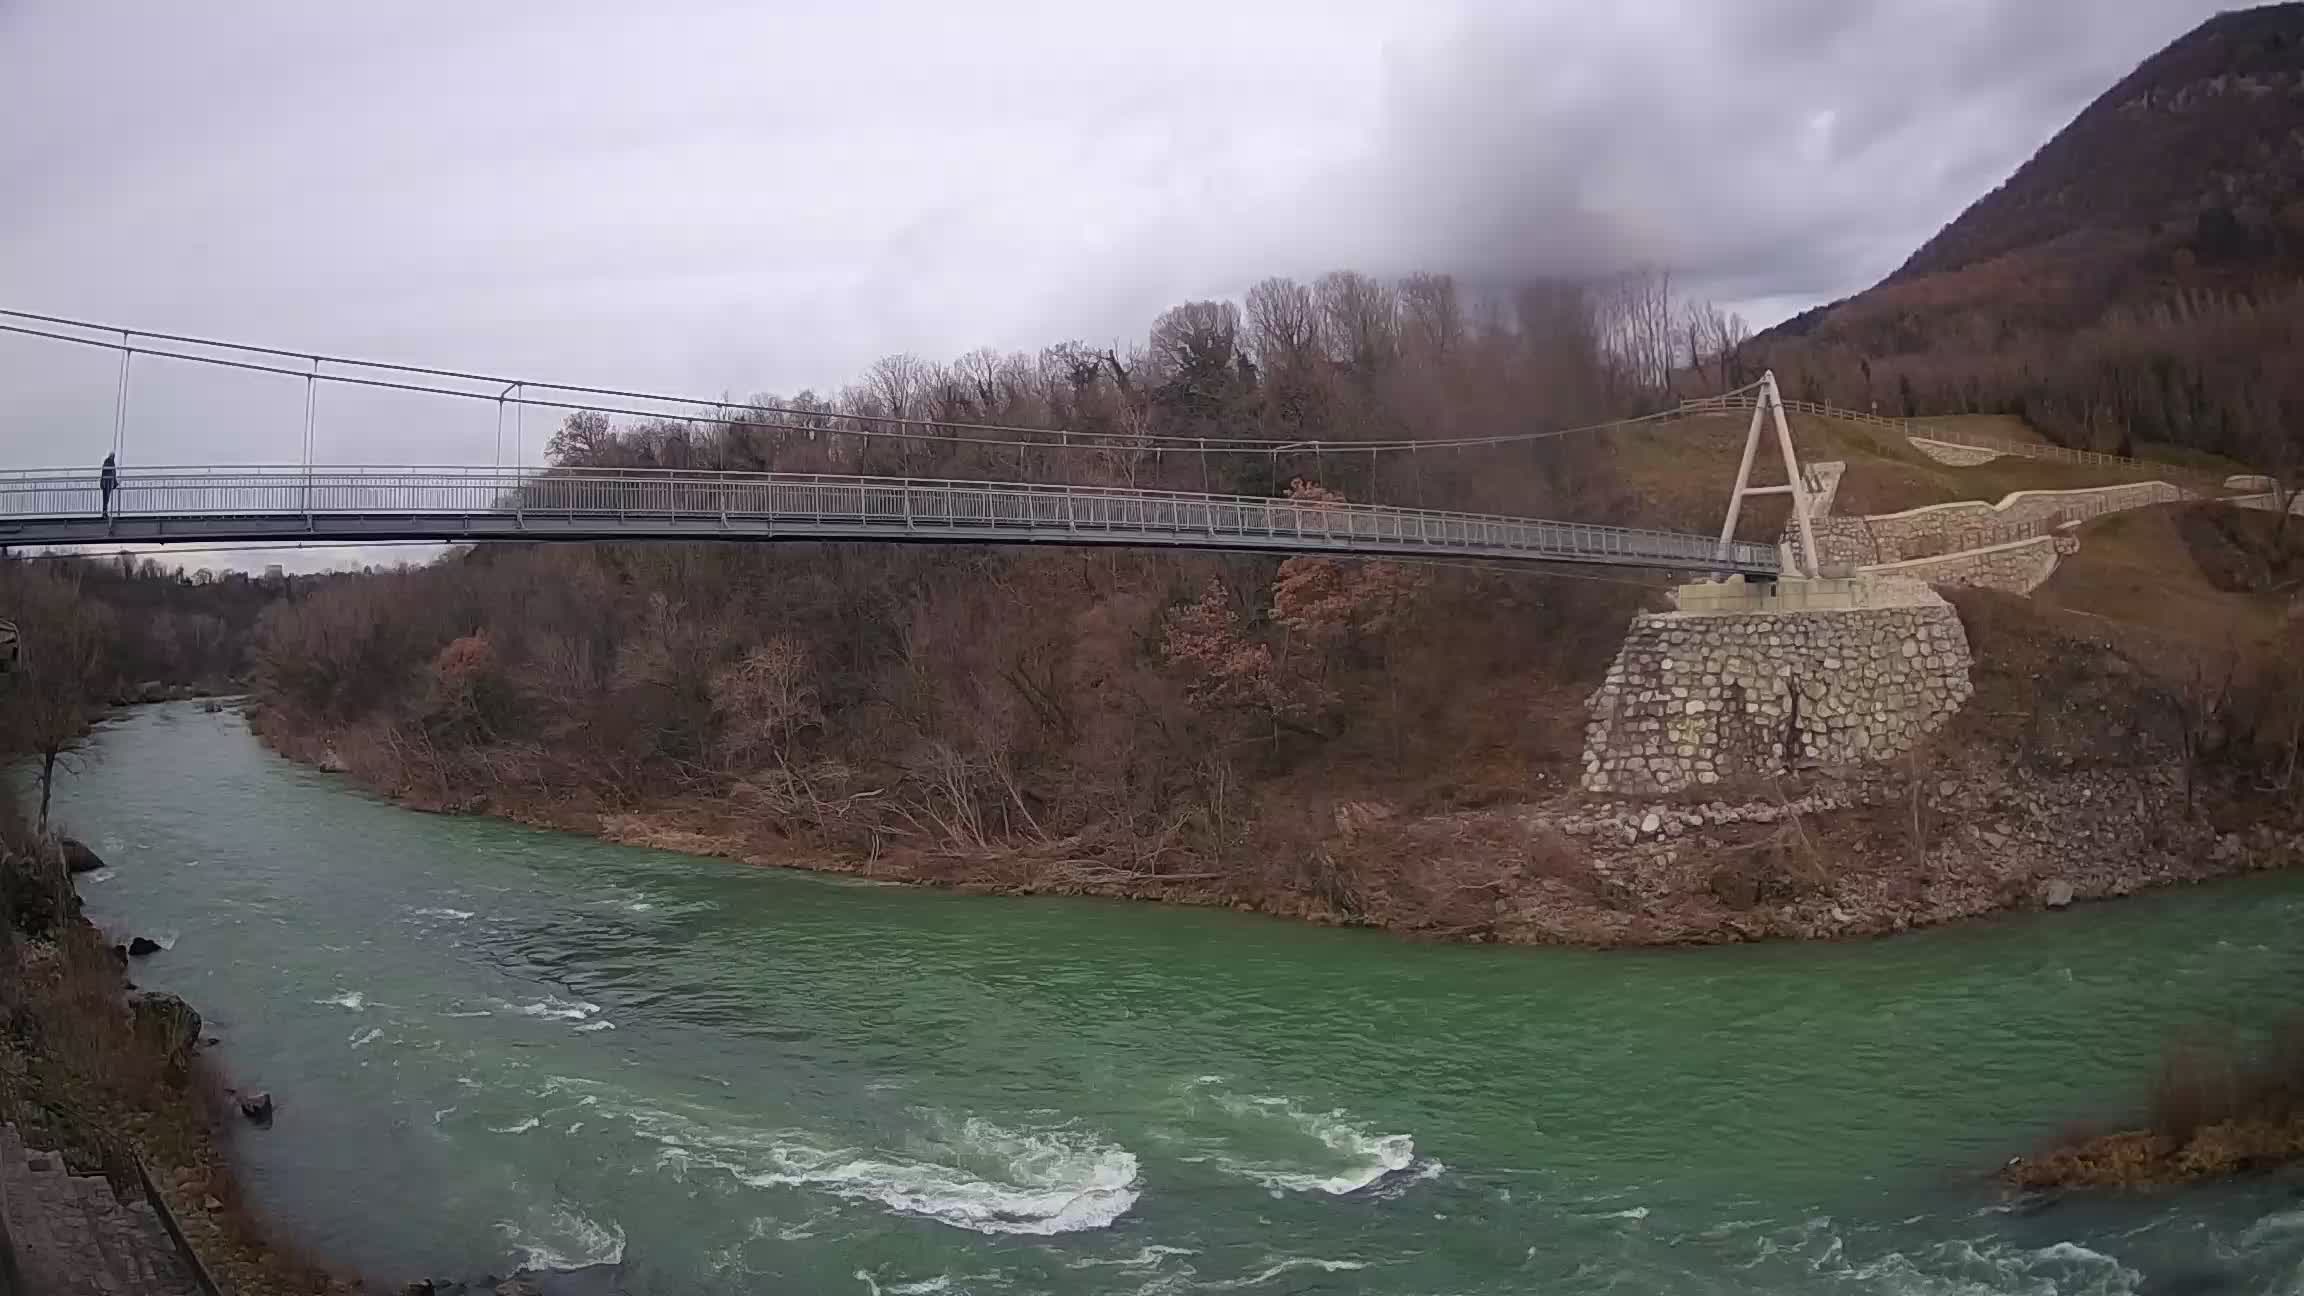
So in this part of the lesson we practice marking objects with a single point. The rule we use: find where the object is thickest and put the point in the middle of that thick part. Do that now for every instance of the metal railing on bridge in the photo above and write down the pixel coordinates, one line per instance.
(454, 503)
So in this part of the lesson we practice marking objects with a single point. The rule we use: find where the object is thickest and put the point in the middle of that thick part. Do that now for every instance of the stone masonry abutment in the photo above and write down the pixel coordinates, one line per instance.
(1743, 682)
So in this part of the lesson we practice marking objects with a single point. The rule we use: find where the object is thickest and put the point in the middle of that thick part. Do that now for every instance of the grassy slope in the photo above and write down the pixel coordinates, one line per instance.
(2205, 578)
(1999, 427)
(2142, 569)
(1678, 474)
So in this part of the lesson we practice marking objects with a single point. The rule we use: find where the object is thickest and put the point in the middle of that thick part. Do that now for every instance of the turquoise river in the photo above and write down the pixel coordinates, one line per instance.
(492, 1045)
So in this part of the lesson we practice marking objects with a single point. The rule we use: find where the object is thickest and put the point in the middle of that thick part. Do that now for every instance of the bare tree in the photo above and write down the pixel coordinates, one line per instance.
(52, 700)
(1714, 339)
(899, 385)
(763, 701)
(1360, 318)
(1432, 323)
(1283, 334)
(1640, 325)
(1197, 343)
(1283, 325)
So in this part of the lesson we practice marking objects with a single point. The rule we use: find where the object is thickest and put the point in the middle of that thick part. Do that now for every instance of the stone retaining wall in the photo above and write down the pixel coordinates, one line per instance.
(2017, 568)
(1939, 530)
(1958, 456)
(1843, 540)
(1973, 524)
(1695, 699)
(1823, 481)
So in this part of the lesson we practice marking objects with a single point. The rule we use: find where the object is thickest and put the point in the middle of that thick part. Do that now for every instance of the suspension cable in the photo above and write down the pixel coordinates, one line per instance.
(751, 415)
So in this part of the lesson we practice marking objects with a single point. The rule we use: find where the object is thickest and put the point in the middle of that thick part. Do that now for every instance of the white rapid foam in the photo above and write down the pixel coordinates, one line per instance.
(1146, 1258)
(1366, 1156)
(351, 999)
(517, 1127)
(100, 875)
(1287, 1264)
(554, 1008)
(970, 1174)
(563, 1238)
(2278, 1225)
(458, 915)
(592, 1026)
(361, 1039)
(998, 1180)
(1959, 1268)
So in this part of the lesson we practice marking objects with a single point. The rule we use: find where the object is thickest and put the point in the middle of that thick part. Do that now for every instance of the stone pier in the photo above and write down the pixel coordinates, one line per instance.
(1753, 680)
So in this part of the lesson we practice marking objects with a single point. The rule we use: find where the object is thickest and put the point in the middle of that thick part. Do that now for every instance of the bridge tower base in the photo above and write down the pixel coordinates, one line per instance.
(1748, 680)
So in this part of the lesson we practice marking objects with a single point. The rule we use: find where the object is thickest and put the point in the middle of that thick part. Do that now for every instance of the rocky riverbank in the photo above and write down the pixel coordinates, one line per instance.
(2086, 764)
(2218, 1108)
(2145, 1159)
(111, 1076)
(1956, 833)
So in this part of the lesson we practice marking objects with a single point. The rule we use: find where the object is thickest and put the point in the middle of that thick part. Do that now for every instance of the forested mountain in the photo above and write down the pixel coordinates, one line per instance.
(2136, 281)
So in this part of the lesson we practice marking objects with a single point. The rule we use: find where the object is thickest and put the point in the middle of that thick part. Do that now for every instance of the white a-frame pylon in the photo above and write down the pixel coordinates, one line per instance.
(1767, 403)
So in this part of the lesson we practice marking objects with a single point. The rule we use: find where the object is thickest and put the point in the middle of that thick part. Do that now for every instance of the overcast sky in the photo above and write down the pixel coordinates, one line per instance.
(745, 197)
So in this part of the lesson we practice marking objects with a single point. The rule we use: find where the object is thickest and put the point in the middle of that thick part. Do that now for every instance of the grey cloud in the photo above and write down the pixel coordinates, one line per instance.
(1796, 148)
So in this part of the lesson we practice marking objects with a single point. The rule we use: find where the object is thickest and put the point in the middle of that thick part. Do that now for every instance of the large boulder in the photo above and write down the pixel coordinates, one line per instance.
(167, 1022)
(77, 856)
(142, 946)
(257, 1107)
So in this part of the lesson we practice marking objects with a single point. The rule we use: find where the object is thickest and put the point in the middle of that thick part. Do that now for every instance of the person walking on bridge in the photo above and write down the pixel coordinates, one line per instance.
(108, 481)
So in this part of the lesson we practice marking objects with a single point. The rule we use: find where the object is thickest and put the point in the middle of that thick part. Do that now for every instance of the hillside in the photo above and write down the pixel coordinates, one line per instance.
(2193, 152)
(2128, 284)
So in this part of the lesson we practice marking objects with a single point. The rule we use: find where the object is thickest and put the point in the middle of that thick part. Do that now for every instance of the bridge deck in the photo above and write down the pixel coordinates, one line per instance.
(453, 504)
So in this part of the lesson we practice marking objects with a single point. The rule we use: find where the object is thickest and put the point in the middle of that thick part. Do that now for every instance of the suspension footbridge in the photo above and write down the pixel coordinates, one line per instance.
(311, 502)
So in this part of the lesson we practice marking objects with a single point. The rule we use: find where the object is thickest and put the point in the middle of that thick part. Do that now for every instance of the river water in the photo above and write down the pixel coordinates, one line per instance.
(491, 1044)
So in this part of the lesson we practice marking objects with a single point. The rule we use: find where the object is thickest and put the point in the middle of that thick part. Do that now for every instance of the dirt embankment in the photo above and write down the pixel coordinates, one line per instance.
(110, 1076)
(2085, 768)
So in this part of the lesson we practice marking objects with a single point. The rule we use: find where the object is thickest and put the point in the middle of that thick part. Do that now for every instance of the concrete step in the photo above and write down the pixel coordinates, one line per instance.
(101, 1212)
(168, 1273)
(75, 1237)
